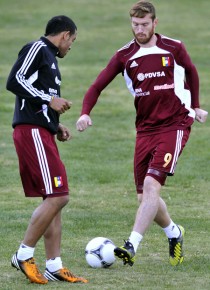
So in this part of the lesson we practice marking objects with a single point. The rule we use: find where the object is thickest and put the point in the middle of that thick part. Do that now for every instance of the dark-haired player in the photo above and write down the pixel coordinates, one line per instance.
(35, 80)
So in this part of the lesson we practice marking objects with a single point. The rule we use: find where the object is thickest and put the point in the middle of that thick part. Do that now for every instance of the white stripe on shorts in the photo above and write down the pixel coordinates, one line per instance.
(44, 167)
(178, 148)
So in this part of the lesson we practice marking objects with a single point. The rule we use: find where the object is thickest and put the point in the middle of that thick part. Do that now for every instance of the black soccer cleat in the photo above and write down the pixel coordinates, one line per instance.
(126, 253)
(176, 255)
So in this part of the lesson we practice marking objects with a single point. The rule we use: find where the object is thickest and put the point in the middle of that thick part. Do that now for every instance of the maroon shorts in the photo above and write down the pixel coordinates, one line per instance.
(42, 172)
(156, 155)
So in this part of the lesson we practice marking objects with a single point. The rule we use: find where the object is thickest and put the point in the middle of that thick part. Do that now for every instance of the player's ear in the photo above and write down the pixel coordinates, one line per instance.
(155, 22)
(66, 35)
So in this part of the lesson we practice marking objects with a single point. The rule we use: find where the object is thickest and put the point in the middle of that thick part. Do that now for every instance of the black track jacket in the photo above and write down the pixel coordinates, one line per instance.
(34, 79)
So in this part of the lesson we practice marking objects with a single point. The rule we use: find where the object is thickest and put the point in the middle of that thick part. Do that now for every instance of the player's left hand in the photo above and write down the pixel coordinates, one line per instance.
(63, 133)
(200, 115)
(83, 122)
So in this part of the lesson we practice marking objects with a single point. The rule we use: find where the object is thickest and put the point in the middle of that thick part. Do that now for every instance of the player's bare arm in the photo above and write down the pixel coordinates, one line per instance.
(83, 122)
(200, 115)
(60, 105)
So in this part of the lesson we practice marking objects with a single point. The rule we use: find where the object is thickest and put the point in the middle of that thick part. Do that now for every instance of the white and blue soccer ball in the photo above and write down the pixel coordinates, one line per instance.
(99, 252)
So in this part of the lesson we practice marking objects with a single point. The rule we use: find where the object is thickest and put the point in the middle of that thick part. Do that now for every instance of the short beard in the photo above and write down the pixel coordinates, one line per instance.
(145, 40)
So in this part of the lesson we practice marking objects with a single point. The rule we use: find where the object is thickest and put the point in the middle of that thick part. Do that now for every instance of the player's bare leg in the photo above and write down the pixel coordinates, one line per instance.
(54, 268)
(52, 238)
(174, 232)
(42, 217)
(162, 217)
(149, 206)
(153, 208)
(145, 215)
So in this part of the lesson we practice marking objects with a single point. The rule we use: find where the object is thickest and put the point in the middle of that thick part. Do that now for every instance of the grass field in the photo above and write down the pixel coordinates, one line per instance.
(99, 161)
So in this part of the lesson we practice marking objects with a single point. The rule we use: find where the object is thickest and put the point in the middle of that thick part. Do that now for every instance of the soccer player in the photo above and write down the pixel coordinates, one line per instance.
(164, 82)
(35, 80)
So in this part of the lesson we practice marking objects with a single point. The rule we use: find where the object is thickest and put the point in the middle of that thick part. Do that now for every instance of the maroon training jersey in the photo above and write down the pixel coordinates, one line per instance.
(162, 79)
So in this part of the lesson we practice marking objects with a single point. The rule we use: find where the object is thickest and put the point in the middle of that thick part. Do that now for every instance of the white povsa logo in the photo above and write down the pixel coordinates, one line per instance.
(150, 75)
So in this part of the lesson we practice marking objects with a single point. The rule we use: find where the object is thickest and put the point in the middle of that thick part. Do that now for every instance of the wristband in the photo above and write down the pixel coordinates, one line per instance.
(52, 97)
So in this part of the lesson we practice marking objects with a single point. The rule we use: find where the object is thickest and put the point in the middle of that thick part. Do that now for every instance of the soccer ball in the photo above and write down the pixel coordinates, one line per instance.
(99, 253)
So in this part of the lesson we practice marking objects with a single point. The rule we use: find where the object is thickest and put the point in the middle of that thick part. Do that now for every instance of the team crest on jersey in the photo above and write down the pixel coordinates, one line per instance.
(166, 61)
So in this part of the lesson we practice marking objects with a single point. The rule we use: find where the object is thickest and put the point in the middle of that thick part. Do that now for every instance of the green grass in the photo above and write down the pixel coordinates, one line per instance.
(99, 161)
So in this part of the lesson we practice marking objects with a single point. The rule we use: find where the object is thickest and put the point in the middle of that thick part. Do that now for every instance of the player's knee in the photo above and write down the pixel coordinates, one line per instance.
(64, 200)
(151, 185)
(59, 202)
(158, 175)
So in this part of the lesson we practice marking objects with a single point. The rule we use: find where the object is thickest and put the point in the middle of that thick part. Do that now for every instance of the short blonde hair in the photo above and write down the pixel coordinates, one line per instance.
(142, 8)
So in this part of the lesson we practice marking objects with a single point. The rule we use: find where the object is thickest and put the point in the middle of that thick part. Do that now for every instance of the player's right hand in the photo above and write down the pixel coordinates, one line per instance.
(60, 105)
(83, 122)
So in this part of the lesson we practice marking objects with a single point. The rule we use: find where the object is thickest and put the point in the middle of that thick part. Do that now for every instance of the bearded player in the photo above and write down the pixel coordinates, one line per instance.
(164, 82)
